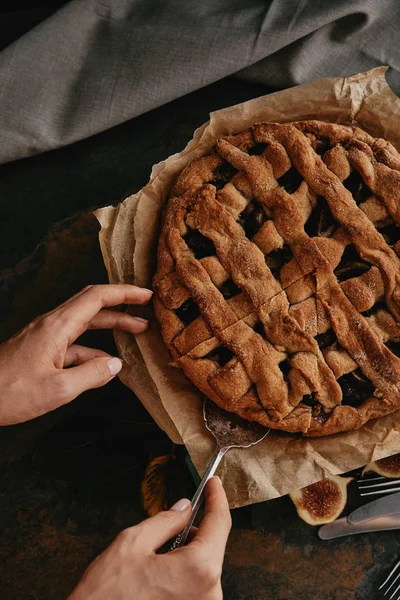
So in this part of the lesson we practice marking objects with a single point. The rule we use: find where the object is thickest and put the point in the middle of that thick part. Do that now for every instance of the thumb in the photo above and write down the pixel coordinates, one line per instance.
(163, 526)
(92, 374)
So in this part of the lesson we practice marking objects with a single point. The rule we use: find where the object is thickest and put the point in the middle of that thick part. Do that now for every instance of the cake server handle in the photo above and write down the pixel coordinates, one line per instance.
(197, 499)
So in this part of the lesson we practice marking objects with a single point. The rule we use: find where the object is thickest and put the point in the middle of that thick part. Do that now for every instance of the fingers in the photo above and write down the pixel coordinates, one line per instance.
(110, 319)
(82, 291)
(94, 373)
(77, 355)
(162, 527)
(214, 529)
(74, 316)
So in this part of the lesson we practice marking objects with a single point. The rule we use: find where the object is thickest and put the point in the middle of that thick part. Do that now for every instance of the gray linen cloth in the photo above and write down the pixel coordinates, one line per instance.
(94, 64)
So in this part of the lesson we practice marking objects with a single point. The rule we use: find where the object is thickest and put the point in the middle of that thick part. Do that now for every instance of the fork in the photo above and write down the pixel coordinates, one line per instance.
(391, 579)
(381, 485)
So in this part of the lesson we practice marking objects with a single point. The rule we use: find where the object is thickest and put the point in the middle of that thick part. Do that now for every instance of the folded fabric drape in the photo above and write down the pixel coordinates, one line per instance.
(94, 64)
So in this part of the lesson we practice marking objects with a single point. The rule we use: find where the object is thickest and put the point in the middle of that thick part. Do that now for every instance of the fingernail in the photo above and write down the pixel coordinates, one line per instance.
(217, 478)
(114, 365)
(141, 320)
(181, 505)
(147, 290)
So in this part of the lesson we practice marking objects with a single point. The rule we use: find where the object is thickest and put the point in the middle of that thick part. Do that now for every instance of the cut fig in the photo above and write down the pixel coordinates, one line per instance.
(323, 501)
(387, 467)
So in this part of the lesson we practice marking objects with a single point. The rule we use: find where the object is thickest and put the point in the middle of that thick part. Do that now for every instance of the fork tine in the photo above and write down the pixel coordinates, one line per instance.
(379, 488)
(392, 572)
(385, 491)
(392, 584)
(379, 485)
(396, 590)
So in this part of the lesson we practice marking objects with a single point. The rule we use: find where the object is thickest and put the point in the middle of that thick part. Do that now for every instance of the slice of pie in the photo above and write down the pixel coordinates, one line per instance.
(278, 280)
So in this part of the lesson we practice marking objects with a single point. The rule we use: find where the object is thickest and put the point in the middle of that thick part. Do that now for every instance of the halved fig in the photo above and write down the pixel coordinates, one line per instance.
(323, 501)
(387, 467)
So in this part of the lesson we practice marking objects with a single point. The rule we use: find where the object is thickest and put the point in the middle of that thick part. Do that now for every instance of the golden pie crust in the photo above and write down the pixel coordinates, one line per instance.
(277, 286)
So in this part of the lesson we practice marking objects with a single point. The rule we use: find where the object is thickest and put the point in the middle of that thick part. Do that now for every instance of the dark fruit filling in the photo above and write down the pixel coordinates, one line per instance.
(276, 259)
(356, 186)
(320, 222)
(351, 265)
(374, 309)
(309, 400)
(222, 175)
(259, 328)
(322, 145)
(352, 270)
(326, 339)
(221, 355)
(355, 388)
(391, 233)
(229, 289)
(394, 347)
(316, 408)
(188, 311)
(291, 180)
(350, 254)
(200, 245)
(284, 367)
(252, 218)
(257, 149)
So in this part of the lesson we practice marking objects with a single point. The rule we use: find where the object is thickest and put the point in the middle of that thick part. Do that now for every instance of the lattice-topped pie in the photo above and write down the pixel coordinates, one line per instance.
(277, 288)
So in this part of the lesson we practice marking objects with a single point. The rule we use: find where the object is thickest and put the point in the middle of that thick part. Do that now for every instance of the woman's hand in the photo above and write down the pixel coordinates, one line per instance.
(33, 378)
(130, 569)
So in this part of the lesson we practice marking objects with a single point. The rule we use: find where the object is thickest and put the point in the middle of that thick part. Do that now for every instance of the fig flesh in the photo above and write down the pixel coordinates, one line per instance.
(387, 467)
(323, 501)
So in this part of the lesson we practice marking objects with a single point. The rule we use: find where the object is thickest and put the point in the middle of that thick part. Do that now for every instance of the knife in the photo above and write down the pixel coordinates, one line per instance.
(388, 505)
(379, 515)
(342, 527)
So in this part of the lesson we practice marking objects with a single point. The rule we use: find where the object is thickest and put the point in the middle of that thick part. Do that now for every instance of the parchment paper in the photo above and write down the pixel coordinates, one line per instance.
(128, 239)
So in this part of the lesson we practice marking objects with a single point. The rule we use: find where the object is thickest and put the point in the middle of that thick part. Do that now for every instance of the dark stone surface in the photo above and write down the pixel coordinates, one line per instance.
(70, 481)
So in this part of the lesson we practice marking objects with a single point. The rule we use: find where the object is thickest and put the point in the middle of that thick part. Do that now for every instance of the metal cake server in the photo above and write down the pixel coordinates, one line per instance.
(229, 431)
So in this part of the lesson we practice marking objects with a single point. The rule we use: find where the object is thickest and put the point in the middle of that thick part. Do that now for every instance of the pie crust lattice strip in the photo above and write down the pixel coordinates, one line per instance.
(277, 286)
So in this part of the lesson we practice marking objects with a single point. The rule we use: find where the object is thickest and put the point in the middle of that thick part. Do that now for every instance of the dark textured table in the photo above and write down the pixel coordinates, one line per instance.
(70, 481)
